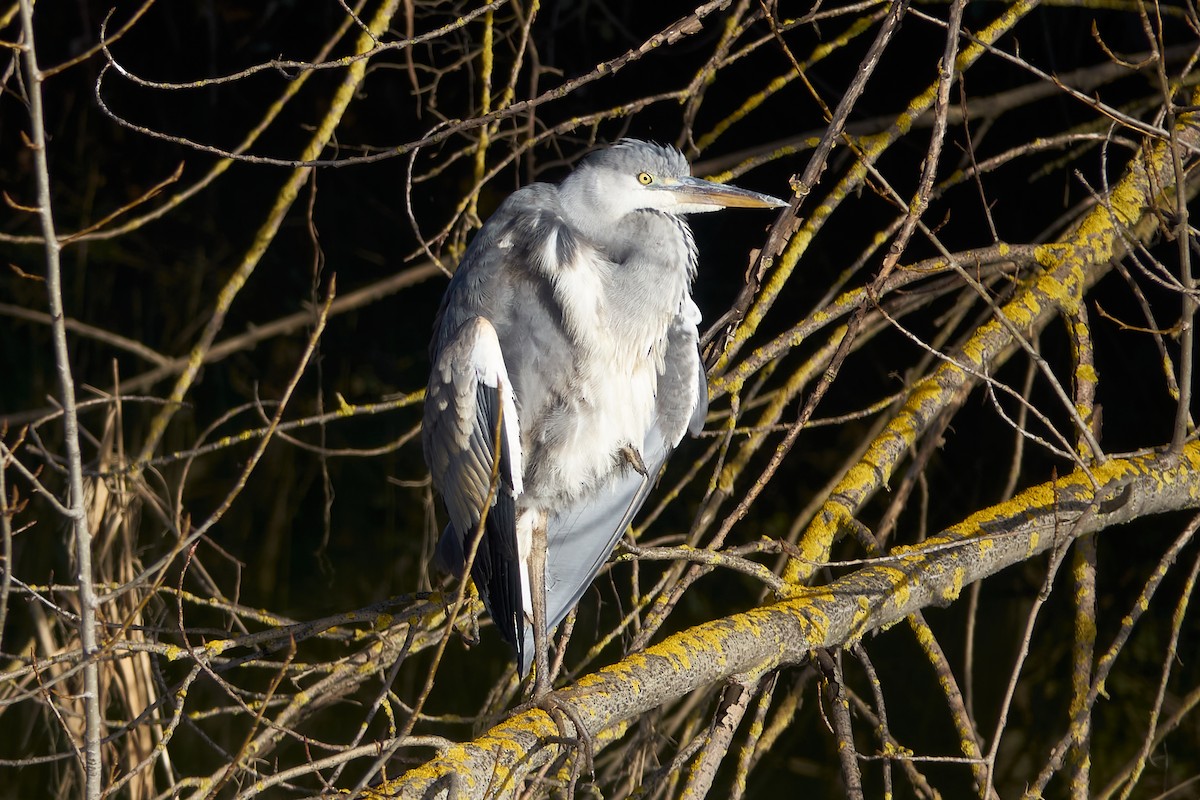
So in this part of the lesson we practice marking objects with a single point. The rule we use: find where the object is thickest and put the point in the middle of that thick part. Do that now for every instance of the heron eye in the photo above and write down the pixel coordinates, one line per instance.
(645, 178)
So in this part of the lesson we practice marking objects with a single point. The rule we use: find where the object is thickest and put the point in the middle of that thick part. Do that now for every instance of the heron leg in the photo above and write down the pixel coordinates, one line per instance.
(537, 590)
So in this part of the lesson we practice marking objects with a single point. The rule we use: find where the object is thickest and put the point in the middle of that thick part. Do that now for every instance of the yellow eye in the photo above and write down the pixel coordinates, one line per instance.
(645, 178)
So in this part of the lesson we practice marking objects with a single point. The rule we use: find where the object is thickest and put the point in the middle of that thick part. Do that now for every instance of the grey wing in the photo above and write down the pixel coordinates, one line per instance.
(580, 539)
(469, 409)
(498, 280)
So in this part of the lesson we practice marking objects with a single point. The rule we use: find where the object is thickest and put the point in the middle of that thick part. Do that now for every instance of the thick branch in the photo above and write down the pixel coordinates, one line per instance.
(872, 598)
(1072, 266)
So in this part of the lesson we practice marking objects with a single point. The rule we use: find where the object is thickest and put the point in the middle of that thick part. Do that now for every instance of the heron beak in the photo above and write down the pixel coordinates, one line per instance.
(706, 193)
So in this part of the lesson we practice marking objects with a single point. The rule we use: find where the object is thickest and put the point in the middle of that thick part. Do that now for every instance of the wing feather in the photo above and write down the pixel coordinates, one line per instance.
(469, 409)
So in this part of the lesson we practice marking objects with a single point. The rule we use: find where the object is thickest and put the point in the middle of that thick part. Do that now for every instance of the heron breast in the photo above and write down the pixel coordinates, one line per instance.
(616, 317)
(576, 448)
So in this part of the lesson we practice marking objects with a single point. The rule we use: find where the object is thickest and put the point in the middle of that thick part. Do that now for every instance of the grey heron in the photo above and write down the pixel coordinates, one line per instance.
(565, 369)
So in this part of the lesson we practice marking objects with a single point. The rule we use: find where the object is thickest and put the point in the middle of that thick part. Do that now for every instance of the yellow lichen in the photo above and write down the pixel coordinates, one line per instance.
(216, 646)
(952, 592)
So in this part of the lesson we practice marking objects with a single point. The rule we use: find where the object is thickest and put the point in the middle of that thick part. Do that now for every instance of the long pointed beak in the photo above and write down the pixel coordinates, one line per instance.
(706, 193)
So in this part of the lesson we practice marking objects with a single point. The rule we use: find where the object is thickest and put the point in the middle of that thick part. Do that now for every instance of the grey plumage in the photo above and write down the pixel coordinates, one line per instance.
(568, 337)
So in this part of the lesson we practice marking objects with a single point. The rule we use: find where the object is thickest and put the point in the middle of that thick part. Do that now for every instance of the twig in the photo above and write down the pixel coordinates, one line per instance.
(1057, 554)
(708, 557)
(1109, 659)
(93, 722)
(671, 33)
(838, 704)
(730, 710)
(7, 513)
(88, 332)
(1169, 659)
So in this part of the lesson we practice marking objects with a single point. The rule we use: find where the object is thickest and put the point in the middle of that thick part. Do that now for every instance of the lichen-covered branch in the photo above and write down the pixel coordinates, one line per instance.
(1071, 266)
(873, 598)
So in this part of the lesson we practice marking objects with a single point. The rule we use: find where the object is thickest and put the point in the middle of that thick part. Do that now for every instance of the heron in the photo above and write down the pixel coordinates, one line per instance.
(565, 369)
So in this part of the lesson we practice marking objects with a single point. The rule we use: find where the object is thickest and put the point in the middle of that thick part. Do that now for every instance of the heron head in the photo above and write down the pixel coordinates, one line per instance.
(634, 175)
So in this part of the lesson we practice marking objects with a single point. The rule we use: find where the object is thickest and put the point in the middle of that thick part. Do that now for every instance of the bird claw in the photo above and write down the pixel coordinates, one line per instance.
(634, 459)
(576, 736)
